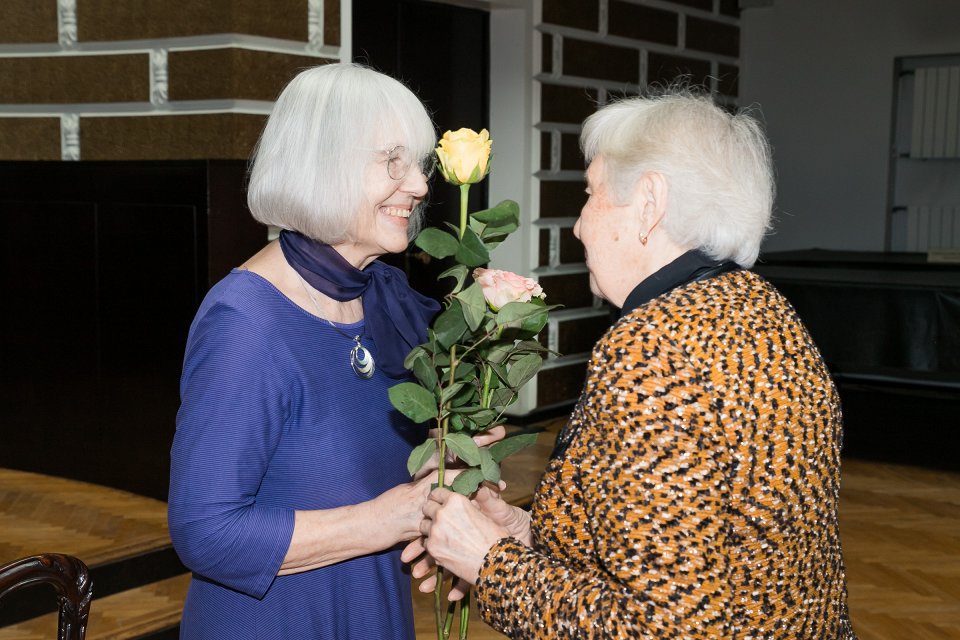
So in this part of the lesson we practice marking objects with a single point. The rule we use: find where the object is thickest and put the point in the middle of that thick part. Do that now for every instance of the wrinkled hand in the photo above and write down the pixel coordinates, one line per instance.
(456, 533)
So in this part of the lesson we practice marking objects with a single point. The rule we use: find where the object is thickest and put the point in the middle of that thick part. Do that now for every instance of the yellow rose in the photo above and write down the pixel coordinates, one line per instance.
(464, 156)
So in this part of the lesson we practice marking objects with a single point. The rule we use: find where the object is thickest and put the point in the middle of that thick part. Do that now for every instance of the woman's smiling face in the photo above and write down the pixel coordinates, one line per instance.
(383, 218)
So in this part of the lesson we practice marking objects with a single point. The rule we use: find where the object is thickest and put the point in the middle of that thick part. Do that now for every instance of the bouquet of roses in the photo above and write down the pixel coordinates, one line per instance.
(480, 350)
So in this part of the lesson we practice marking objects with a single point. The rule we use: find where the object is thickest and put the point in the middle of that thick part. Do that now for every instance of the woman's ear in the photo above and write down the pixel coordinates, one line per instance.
(651, 194)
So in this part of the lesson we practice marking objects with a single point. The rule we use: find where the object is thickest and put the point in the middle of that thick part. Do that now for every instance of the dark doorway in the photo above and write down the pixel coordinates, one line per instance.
(442, 53)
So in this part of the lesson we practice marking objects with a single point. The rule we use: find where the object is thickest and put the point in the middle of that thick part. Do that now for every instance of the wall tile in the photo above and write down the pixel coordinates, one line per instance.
(561, 198)
(643, 23)
(570, 156)
(581, 14)
(715, 37)
(560, 384)
(571, 290)
(571, 249)
(546, 53)
(543, 258)
(545, 149)
(126, 20)
(594, 60)
(728, 82)
(182, 137)
(730, 8)
(75, 79)
(24, 21)
(663, 69)
(30, 138)
(566, 104)
(232, 73)
(705, 5)
(331, 22)
(579, 336)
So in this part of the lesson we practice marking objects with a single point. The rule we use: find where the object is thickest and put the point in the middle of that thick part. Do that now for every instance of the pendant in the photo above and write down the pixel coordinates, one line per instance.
(361, 361)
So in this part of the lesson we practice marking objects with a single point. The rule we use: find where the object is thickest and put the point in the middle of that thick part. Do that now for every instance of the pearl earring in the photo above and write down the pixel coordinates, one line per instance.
(643, 238)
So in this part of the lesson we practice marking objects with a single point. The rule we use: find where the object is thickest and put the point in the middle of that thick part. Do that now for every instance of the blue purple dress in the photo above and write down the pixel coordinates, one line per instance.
(273, 419)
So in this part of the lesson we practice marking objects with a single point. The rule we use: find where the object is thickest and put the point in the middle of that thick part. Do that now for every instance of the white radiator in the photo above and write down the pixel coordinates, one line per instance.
(936, 113)
(922, 228)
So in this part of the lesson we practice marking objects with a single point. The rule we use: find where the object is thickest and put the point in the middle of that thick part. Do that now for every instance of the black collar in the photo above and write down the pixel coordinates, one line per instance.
(691, 266)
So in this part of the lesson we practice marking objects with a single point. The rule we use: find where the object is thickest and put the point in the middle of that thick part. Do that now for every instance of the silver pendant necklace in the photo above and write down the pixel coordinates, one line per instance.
(361, 360)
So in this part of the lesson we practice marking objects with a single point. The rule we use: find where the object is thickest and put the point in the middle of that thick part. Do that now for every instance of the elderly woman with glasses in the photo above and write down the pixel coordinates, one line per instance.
(289, 492)
(693, 493)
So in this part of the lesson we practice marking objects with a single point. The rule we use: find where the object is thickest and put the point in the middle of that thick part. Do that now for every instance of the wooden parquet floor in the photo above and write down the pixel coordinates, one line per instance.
(900, 528)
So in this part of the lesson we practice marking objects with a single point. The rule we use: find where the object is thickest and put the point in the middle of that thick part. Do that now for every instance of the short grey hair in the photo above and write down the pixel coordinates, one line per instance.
(308, 168)
(718, 166)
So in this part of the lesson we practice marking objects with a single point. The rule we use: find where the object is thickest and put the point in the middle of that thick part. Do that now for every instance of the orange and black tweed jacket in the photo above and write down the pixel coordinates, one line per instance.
(699, 496)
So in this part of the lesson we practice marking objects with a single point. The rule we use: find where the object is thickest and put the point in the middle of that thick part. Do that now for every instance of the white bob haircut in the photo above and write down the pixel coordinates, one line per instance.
(309, 167)
(718, 167)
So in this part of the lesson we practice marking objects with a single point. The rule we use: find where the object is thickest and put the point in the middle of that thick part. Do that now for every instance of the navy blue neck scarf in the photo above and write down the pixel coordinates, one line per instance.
(396, 315)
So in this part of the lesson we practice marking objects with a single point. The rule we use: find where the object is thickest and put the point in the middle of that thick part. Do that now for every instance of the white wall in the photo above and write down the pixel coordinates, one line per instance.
(822, 73)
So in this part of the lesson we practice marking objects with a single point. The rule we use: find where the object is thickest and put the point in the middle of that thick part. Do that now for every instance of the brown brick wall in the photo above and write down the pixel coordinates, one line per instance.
(602, 59)
(30, 138)
(75, 79)
(23, 21)
(181, 137)
(232, 73)
(99, 20)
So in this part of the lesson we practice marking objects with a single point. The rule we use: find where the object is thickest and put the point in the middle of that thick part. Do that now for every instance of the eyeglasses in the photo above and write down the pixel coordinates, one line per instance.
(399, 163)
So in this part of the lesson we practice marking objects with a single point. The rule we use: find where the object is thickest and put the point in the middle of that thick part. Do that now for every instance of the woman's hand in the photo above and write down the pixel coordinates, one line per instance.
(516, 521)
(482, 439)
(456, 533)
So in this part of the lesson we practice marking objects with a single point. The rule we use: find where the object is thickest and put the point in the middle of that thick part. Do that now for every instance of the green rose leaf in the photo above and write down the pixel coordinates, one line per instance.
(503, 214)
(472, 251)
(489, 467)
(420, 455)
(450, 326)
(437, 243)
(509, 446)
(513, 314)
(503, 397)
(425, 373)
(523, 370)
(467, 482)
(450, 391)
(474, 305)
(464, 446)
(457, 271)
(413, 401)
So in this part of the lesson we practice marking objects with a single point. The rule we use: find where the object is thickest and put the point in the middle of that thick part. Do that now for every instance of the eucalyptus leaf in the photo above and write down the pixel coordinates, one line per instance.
(523, 370)
(472, 252)
(509, 446)
(420, 455)
(437, 243)
(489, 467)
(464, 446)
(467, 482)
(413, 401)
(474, 305)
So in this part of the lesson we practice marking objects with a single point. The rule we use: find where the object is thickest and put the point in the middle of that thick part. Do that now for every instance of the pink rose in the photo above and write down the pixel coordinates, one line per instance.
(502, 287)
